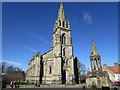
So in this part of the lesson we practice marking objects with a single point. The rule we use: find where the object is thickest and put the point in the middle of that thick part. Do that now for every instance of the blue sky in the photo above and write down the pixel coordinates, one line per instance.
(28, 28)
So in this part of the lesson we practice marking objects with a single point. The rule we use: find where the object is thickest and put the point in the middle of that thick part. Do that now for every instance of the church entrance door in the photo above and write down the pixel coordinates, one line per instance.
(64, 77)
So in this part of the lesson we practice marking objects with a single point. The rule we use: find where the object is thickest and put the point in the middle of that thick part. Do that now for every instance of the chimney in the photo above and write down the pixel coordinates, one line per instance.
(116, 65)
(104, 65)
(38, 54)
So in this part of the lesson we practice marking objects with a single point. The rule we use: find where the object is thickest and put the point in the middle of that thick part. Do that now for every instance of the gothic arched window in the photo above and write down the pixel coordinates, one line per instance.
(59, 23)
(63, 23)
(64, 52)
(63, 39)
(50, 70)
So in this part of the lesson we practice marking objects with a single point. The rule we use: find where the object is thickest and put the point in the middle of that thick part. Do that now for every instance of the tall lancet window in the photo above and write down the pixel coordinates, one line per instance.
(63, 51)
(67, 62)
(50, 70)
(63, 39)
(59, 23)
(63, 23)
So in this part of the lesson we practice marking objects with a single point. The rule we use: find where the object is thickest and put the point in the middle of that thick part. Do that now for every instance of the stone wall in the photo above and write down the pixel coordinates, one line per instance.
(98, 79)
(33, 72)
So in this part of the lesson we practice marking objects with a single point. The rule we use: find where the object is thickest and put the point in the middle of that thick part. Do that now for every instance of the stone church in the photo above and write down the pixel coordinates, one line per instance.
(58, 65)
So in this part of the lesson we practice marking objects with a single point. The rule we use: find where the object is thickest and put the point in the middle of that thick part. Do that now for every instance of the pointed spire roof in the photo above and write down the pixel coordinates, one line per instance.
(94, 51)
(61, 13)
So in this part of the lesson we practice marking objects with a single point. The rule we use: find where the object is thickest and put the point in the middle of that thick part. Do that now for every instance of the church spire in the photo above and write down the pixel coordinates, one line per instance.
(61, 20)
(61, 13)
(94, 51)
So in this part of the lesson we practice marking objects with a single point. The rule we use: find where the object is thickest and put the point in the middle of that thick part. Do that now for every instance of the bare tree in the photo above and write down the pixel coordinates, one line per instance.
(82, 72)
(12, 73)
(4, 67)
(82, 69)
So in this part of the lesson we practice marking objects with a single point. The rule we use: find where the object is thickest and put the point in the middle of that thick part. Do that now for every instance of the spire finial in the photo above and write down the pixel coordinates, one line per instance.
(92, 41)
(94, 50)
(61, 5)
(61, 1)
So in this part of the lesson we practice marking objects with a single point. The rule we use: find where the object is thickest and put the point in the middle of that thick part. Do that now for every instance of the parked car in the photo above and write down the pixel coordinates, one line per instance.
(117, 83)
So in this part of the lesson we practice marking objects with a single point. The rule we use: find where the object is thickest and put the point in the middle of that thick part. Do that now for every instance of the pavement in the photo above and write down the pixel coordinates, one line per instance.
(77, 87)
(49, 86)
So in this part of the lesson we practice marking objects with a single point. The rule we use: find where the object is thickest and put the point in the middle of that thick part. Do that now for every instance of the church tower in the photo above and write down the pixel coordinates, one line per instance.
(62, 49)
(95, 59)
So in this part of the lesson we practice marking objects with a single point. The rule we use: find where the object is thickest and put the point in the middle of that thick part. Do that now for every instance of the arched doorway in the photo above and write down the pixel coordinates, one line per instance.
(64, 77)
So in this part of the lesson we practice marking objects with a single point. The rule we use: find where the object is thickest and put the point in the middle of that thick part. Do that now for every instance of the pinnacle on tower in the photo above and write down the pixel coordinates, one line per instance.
(61, 20)
(94, 50)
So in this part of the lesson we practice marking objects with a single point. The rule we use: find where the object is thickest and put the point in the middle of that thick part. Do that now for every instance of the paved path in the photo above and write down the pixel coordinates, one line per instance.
(50, 86)
(75, 87)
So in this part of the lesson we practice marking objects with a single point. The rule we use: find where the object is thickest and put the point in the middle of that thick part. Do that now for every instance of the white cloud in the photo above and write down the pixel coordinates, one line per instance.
(30, 49)
(87, 18)
(12, 63)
